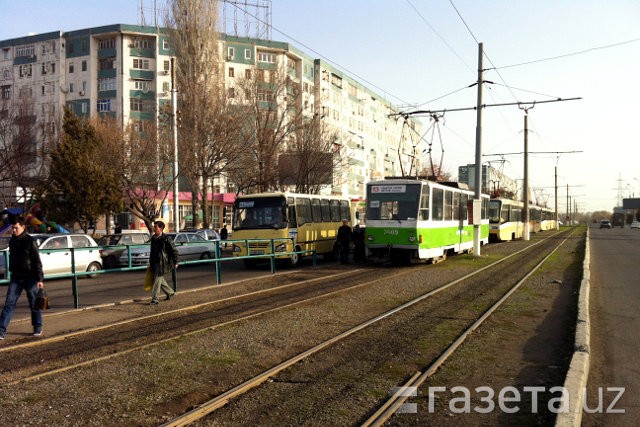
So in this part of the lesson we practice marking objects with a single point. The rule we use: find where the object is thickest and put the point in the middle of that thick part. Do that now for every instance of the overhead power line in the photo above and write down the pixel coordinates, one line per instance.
(569, 54)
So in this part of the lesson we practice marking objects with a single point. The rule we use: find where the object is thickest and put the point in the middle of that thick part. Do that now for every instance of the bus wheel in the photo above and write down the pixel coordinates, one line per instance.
(295, 259)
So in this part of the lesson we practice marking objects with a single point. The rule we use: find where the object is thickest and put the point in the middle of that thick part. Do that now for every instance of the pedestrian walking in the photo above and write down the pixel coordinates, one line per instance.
(344, 240)
(26, 274)
(224, 234)
(162, 257)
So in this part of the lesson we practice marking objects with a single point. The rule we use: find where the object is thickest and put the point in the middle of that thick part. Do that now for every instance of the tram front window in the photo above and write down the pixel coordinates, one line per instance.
(494, 212)
(400, 205)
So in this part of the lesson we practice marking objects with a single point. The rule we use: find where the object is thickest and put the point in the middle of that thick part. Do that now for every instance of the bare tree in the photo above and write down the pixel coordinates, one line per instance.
(24, 147)
(202, 104)
(142, 158)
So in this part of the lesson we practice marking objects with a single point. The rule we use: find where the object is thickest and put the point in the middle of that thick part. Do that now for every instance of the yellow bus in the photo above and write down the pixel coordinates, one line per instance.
(307, 222)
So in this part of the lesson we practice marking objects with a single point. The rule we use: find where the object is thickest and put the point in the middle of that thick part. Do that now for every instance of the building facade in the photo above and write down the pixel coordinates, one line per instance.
(125, 71)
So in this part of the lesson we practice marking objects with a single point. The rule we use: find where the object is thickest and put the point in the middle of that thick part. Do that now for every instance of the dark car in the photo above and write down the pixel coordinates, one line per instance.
(605, 223)
(111, 255)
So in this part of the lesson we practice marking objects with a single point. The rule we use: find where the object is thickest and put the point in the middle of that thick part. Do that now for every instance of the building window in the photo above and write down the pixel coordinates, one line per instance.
(140, 64)
(167, 66)
(267, 57)
(84, 108)
(247, 54)
(165, 44)
(6, 73)
(108, 83)
(6, 92)
(6, 53)
(71, 67)
(136, 104)
(142, 85)
(71, 87)
(231, 92)
(84, 65)
(104, 105)
(231, 53)
(166, 86)
(140, 43)
(25, 70)
(247, 73)
(107, 64)
(231, 72)
(25, 51)
(107, 44)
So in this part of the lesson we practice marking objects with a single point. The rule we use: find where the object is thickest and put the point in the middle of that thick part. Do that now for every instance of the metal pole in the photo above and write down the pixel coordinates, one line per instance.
(525, 196)
(478, 171)
(556, 206)
(174, 115)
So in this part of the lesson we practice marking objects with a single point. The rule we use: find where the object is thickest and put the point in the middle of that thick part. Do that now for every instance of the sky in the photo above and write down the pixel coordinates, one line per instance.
(423, 55)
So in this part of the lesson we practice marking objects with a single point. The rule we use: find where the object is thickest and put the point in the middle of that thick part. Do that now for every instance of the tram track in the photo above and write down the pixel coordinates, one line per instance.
(24, 362)
(198, 320)
(512, 268)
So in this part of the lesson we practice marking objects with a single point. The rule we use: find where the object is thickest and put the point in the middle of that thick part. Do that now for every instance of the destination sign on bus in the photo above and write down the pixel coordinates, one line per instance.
(388, 189)
(245, 203)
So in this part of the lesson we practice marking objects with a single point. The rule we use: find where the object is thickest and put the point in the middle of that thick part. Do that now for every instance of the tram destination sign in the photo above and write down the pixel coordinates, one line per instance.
(388, 189)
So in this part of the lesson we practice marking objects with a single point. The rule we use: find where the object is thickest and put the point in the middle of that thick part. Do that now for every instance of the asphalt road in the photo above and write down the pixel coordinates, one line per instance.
(615, 327)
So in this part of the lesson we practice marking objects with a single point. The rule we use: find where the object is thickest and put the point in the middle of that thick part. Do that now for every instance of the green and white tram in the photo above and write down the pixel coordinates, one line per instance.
(411, 220)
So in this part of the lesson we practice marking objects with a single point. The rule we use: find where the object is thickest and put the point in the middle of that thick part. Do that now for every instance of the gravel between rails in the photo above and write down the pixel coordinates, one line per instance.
(152, 386)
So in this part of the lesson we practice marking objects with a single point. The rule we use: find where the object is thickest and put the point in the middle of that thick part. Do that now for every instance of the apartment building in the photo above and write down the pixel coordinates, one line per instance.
(125, 71)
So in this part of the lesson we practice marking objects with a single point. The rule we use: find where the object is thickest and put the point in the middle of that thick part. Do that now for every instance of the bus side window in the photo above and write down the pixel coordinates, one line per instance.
(315, 210)
(335, 210)
(326, 213)
(303, 209)
(345, 210)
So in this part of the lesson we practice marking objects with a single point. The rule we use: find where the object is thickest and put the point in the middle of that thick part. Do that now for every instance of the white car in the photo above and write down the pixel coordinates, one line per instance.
(58, 260)
(635, 224)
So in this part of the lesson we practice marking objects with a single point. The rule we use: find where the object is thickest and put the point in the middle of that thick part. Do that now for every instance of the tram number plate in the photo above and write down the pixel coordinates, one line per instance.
(257, 252)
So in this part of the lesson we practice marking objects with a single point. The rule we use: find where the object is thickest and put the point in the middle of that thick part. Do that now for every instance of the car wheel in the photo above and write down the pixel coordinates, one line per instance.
(94, 266)
(206, 255)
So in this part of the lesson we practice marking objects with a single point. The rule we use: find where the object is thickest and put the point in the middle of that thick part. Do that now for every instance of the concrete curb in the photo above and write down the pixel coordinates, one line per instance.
(576, 381)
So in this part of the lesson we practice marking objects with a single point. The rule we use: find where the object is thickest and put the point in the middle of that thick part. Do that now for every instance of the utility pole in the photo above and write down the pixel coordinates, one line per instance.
(174, 119)
(477, 202)
(555, 188)
(525, 190)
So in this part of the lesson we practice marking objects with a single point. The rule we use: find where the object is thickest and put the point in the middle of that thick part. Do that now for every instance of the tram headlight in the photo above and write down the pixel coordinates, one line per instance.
(370, 238)
(236, 248)
(412, 239)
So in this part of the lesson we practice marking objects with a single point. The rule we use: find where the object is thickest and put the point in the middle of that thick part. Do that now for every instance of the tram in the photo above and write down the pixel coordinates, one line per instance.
(507, 223)
(412, 220)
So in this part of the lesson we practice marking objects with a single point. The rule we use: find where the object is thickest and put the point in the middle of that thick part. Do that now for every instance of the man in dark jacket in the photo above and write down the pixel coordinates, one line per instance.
(344, 240)
(26, 274)
(163, 257)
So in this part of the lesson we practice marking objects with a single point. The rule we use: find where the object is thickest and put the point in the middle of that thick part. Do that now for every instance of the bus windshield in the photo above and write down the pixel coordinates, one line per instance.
(393, 201)
(259, 212)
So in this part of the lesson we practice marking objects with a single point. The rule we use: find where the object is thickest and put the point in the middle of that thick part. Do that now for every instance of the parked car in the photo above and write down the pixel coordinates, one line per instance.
(635, 224)
(59, 262)
(605, 223)
(209, 234)
(190, 245)
(111, 255)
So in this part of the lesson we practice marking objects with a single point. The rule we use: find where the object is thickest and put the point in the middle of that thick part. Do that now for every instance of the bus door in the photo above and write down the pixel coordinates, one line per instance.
(290, 215)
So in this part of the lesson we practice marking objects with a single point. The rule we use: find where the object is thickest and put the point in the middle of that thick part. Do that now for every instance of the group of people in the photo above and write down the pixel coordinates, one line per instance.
(345, 236)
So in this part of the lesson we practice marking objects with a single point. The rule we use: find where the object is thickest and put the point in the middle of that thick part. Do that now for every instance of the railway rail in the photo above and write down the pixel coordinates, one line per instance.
(55, 357)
